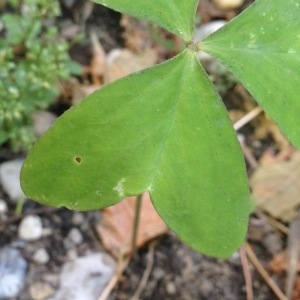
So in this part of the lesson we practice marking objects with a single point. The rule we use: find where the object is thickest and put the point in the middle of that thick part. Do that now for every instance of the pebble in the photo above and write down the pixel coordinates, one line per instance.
(68, 3)
(3, 207)
(47, 232)
(10, 179)
(72, 254)
(41, 256)
(206, 287)
(12, 272)
(42, 120)
(272, 243)
(40, 291)
(207, 29)
(171, 288)
(75, 236)
(78, 218)
(86, 277)
(202, 32)
(30, 228)
(228, 4)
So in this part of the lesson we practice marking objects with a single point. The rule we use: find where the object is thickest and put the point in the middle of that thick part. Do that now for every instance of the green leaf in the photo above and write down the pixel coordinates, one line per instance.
(15, 28)
(177, 16)
(262, 48)
(163, 130)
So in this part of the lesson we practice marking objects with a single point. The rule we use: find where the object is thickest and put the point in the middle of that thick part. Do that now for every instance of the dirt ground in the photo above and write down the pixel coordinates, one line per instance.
(175, 271)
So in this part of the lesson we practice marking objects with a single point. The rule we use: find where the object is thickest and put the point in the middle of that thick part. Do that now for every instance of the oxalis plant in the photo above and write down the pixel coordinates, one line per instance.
(165, 129)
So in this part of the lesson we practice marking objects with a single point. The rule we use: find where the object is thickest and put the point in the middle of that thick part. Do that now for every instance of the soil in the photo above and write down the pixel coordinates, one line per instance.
(177, 271)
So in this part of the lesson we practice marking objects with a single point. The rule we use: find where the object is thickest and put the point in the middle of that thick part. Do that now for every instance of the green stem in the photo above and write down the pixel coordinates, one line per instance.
(195, 46)
(20, 205)
(137, 213)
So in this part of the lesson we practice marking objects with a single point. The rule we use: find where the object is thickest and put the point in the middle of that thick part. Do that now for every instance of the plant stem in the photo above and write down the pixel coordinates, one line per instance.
(20, 205)
(137, 214)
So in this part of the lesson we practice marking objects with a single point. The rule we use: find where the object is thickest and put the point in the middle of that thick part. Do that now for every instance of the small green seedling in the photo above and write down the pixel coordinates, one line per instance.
(166, 131)
(32, 60)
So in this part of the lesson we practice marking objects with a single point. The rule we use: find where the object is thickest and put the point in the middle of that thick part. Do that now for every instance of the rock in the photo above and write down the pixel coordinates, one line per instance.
(42, 120)
(10, 179)
(68, 3)
(85, 278)
(273, 243)
(75, 236)
(228, 4)
(72, 254)
(12, 272)
(30, 228)
(47, 232)
(41, 256)
(40, 291)
(78, 218)
(171, 288)
(222, 78)
(200, 33)
(3, 207)
(207, 29)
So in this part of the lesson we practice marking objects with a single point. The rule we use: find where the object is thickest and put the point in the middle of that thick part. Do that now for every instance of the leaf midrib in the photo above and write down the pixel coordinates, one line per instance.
(171, 125)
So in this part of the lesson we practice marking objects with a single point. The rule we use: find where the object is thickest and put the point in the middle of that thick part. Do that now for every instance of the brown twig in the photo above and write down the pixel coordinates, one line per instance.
(264, 274)
(272, 221)
(147, 272)
(136, 222)
(293, 254)
(121, 266)
(278, 225)
(247, 118)
(248, 154)
(247, 273)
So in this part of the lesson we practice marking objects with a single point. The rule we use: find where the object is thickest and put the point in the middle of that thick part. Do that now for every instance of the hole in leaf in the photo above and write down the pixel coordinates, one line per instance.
(78, 159)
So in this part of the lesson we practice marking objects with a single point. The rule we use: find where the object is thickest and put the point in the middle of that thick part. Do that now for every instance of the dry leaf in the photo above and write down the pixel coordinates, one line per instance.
(97, 66)
(235, 115)
(276, 187)
(116, 225)
(279, 263)
(265, 127)
(269, 157)
(123, 62)
(136, 34)
(78, 91)
(296, 293)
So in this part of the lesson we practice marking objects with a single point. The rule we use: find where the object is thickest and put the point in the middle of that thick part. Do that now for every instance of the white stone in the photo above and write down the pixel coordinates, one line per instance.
(3, 207)
(203, 31)
(72, 254)
(68, 3)
(85, 278)
(47, 232)
(171, 288)
(40, 291)
(42, 120)
(41, 256)
(207, 29)
(30, 228)
(210, 64)
(12, 273)
(10, 179)
(228, 4)
(75, 236)
(78, 218)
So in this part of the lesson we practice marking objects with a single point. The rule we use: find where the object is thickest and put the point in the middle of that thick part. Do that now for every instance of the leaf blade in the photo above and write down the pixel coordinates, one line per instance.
(262, 48)
(176, 16)
(164, 130)
(207, 159)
